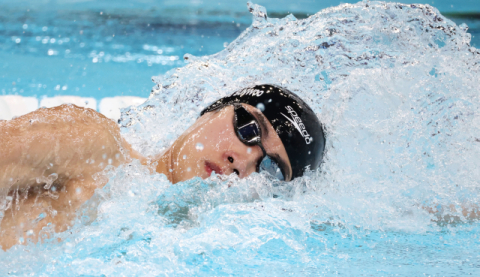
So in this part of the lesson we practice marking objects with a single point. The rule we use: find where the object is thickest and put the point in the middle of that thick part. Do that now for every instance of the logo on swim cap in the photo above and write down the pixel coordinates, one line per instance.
(249, 91)
(297, 122)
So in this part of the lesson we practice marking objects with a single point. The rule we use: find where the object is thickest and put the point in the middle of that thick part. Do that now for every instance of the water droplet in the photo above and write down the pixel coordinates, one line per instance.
(104, 156)
(261, 107)
(78, 190)
(249, 150)
(184, 157)
(117, 156)
(110, 161)
(30, 232)
(199, 146)
(189, 169)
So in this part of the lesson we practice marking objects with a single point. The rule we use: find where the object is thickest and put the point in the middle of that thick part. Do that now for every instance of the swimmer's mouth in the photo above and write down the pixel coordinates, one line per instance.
(210, 167)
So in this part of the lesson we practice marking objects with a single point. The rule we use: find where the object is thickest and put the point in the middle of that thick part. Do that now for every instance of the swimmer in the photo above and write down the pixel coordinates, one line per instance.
(52, 159)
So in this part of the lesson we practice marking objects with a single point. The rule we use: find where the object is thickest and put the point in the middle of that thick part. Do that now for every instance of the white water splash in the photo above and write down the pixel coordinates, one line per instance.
(396, 87)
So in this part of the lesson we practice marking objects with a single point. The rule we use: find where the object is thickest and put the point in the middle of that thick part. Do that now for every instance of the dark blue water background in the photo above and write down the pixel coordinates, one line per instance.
(109, 48)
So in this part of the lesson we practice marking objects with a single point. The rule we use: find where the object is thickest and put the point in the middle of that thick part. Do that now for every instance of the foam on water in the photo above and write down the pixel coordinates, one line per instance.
(15, 105)
(396, 87)
(110, 106)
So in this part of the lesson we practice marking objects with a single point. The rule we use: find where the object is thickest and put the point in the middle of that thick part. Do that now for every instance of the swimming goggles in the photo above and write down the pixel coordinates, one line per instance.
(249, 132)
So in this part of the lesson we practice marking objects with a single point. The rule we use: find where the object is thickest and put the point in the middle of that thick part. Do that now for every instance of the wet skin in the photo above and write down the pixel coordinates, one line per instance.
(222, 151)
(52, 162)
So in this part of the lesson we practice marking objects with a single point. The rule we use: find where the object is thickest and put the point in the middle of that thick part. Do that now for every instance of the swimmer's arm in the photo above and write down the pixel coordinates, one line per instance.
(452, 214)
(67, 140)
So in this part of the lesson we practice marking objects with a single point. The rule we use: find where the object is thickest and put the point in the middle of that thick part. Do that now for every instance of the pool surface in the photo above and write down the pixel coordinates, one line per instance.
(395, 85)
(108, 48)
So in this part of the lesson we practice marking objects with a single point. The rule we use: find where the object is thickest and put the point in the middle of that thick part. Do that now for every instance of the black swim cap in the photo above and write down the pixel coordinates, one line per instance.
(294, 121)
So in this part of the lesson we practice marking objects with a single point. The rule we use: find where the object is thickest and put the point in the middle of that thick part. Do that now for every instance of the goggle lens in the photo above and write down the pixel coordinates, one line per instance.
(247, 127)
(270, 166)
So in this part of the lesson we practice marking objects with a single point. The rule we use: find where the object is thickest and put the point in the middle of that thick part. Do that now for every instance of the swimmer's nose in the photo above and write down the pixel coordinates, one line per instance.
(243, 162)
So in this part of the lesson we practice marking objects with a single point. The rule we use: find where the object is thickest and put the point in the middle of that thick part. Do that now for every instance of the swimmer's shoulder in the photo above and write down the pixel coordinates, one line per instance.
(66, 112)
(56, 117)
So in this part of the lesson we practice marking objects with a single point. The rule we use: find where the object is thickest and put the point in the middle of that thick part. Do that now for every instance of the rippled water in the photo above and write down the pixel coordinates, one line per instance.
(396, 87)
(97, 54)
(108, 48)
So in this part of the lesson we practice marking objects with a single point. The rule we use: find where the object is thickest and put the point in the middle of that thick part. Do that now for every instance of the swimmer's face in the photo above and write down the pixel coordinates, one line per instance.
(211, 145)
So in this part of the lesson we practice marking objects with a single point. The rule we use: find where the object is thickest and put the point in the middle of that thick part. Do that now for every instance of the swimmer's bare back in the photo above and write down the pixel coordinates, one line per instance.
(48, 164)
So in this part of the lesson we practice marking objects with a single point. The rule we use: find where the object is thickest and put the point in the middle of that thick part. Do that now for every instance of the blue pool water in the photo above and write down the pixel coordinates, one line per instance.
(109, 48)
(396, 87)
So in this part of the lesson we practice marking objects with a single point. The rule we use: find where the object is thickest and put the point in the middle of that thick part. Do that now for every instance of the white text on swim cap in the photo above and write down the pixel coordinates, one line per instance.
(297, 122)
(249, 91)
